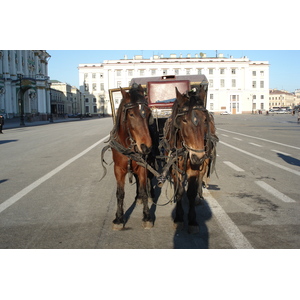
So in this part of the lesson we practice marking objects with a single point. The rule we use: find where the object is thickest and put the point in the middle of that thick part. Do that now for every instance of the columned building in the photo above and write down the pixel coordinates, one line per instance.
(24, 83)
(237, 85)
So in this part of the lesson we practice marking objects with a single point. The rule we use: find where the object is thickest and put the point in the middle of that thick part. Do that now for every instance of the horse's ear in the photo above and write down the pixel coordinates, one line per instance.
(140, 88)
(124, 93)
(179, 97)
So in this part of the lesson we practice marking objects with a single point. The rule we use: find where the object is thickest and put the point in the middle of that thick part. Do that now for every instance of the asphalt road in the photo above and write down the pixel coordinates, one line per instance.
(51, 197)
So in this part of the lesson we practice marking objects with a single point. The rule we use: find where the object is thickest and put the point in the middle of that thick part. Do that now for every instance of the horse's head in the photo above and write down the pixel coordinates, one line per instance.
(136, 119)
(192, 120)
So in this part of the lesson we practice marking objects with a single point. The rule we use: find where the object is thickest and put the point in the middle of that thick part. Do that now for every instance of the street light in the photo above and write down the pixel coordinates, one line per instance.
(21, 101)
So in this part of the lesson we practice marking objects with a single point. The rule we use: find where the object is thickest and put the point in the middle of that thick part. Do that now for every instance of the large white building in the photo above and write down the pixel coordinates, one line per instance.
(237, 85)
(24, 83)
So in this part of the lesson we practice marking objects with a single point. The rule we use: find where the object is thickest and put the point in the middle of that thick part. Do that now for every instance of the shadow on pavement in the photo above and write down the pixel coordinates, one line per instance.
(290, 160)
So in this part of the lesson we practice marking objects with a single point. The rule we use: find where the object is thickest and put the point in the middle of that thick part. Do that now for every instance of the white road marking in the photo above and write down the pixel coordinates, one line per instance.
(254, 137)
(225, 135)
(233, 166)
(262, 159)
(274, 192)
(7, 203)
(237, 139)
(281, 152)
(237, 239)
(255, 144)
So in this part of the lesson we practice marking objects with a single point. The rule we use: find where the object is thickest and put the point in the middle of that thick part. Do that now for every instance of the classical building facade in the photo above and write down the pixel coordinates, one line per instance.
(237, 85)
(24, 83)
(280, 98)
(65, 99)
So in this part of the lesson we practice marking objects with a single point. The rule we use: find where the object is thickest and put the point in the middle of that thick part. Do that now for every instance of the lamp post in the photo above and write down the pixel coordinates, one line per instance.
(2, 92)
(21, 101)
(50, 96)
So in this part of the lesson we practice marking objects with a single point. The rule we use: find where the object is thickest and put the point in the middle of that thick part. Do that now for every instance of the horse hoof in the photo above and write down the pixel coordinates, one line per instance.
(193, 229)
(199, 201)
(147, 224)
(150, 200)
(118, 227)
(178, 225)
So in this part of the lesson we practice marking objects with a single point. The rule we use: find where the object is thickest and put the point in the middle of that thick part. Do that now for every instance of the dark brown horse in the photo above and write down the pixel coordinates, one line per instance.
(131, 142)
(189, 136)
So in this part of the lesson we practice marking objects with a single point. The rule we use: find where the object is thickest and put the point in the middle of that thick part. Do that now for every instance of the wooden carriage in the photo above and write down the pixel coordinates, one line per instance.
(160, 93)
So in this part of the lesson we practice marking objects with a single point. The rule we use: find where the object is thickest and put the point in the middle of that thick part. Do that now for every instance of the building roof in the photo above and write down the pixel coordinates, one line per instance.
(276, 92)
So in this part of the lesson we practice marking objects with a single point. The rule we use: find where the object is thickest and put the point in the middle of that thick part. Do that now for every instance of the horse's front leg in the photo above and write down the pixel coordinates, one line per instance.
(119, 222)
(179, 190)
(142, 195)
(192, 190)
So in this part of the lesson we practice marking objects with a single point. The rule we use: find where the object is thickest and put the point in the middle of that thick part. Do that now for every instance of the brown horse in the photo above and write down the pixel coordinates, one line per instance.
(189, 136)
(131, 142)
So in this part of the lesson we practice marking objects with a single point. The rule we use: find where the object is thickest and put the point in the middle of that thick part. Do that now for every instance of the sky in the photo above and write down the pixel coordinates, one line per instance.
(284, 64)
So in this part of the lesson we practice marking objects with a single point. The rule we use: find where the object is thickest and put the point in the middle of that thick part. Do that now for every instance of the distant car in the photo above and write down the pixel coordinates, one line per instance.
(225, 113)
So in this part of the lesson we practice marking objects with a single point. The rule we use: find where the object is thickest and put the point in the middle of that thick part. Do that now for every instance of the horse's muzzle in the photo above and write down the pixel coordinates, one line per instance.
(145, 149)
(196, 160)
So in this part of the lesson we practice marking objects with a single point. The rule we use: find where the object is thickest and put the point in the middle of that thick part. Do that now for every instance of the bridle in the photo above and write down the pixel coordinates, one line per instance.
(142, 105)
(183, 111)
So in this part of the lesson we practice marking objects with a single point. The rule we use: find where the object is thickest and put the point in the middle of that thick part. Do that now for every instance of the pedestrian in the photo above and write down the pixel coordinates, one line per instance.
(1, 123)
(298, 116)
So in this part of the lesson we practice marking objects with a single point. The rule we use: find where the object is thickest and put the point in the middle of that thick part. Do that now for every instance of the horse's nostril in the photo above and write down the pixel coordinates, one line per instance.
(195, 159)
(145, 149)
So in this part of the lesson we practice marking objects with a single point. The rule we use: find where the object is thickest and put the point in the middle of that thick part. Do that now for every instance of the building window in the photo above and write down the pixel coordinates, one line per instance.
(94, 86)
(199, 71)
(176, 71)
(86, 87)
(118, 84)
(142, 72)
(262, 106)
(211, 96)
(233, 71)
(262, 73)
(222, 83)
(94, 100)
(211, 83)
(210, 71)
(262, 97)
(233, 83)
(254, 84)
(130, 72)
(153, 72)
(188, 71)
(87, 109)
(262, 84)
(94, 75)
(165, 72)
(211, 106)
(253, 73)
(119, 72)
(86, 75)
(101, 75)
(87, 100)
(95, 109)
(102, 86)
(222, 71)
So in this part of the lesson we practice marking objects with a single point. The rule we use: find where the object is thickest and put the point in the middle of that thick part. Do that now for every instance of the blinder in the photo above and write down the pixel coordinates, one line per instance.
(182, 111)
(142, 109)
